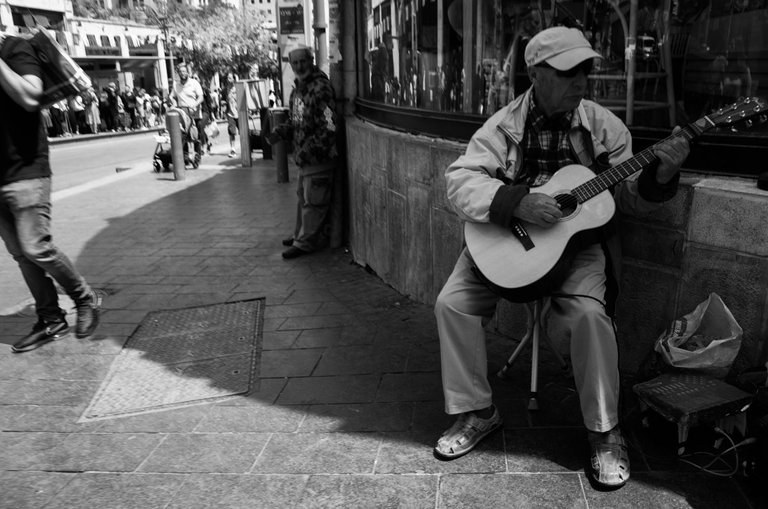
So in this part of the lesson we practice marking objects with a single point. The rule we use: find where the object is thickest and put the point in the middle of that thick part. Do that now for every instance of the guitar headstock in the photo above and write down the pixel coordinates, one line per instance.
(742, 111)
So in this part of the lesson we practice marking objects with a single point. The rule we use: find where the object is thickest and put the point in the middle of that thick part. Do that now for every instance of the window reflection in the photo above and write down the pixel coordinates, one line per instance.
(690, 56)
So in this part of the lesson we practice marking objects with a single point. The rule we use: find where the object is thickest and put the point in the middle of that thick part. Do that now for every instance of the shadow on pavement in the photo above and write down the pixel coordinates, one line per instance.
(350, 373)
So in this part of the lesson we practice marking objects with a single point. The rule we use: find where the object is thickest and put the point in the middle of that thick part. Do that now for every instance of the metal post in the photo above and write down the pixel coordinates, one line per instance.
(173, 124)
(631, 65)
(242, 124)
(321, 37)
(280, 146)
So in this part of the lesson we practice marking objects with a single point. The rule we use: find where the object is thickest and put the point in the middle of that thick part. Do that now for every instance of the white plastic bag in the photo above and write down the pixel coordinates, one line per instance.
(707, 339)
(212, 130)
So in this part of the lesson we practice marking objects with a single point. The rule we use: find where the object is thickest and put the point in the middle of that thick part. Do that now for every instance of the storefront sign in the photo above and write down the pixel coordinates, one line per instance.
(102, 51)
(143, 51)
(292, 20)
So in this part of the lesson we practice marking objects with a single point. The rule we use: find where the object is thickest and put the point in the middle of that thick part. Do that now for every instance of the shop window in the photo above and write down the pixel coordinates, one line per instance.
(465, 57)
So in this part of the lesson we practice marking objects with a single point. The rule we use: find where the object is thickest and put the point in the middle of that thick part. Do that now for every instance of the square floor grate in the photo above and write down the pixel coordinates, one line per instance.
(182, 357)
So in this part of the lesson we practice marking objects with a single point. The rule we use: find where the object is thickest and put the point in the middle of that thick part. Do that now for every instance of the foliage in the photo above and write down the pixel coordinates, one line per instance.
(219, 38)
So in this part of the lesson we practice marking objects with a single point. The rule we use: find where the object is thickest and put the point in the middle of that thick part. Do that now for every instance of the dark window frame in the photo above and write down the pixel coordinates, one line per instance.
(717, 154)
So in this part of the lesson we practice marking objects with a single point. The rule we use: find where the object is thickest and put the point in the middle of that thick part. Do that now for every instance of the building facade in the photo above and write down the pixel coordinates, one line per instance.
(124, 52)
(420, 76)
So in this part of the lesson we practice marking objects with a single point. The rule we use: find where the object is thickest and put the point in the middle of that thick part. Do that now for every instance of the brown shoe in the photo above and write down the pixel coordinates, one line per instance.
(609, 459)
(288, 242)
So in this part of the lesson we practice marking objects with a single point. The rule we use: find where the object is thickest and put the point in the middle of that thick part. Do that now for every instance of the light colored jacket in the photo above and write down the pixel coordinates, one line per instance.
(494, 149)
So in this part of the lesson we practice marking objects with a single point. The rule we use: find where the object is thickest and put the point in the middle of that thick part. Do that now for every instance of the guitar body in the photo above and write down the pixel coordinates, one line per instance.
(504, 262)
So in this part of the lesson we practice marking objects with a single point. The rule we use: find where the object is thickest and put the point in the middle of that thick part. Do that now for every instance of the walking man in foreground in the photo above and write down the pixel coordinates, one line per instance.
(25, 201)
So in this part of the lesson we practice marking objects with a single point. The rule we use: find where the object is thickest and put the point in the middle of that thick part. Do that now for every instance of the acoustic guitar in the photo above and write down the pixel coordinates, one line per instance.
(527, 261)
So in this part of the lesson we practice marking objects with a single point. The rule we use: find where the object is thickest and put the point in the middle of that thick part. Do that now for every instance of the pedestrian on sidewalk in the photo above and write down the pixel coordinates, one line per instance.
(25, 201)
(312, 128)
(112, 118)
(188, 95)
(92, 116)
(231, 112)
(545, 129)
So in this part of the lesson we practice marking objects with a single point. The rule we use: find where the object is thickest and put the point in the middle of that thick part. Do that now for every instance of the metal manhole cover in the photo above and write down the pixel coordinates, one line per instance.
(182, 357)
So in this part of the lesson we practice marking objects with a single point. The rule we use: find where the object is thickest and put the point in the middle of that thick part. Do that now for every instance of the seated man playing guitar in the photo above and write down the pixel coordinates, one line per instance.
(518, 149)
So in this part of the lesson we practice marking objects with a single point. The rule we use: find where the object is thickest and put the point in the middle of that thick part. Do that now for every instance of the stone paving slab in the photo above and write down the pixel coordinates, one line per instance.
(349, 404)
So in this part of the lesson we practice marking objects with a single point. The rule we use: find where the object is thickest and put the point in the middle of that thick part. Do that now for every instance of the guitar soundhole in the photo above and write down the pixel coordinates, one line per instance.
(568, 204)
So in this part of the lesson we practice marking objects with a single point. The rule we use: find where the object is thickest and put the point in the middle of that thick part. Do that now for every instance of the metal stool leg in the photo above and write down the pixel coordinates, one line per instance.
(533, 334)
(529, 310)
(533, 403)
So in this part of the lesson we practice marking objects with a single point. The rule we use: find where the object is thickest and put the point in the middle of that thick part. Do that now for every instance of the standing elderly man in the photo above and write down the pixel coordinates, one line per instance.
(188, 94)
(518, 149)
(312, 127)
(25, 201)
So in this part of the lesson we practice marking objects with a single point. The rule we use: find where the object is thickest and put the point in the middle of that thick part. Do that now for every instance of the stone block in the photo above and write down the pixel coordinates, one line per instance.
(645, 307)
(652, 243)
(730, 214)
(417, 159)
(442, 157)
(378, 229)
(447, 240)
(395, 245)
(676, 212)
(418, 239)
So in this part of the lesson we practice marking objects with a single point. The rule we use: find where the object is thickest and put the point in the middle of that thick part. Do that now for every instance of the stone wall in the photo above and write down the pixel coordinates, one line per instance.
(710, 238)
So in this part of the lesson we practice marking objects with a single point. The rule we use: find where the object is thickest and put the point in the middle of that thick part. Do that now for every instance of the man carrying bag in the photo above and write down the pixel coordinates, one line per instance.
(25, 200)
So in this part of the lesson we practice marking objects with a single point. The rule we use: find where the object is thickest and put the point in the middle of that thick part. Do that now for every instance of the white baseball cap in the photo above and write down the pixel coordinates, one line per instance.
(562, 48)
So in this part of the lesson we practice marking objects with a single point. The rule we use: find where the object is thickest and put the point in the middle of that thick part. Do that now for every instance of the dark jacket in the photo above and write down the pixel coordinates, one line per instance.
(313, 122)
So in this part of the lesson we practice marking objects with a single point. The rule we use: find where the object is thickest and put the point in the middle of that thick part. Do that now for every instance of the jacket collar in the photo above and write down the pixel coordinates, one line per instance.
(512, 123)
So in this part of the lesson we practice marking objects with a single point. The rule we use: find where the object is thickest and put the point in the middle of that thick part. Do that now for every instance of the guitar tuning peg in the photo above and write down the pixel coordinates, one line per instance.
(749, 123)
(762, 118)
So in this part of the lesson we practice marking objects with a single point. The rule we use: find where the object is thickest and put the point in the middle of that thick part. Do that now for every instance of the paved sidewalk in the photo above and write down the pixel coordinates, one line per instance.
(349, 405)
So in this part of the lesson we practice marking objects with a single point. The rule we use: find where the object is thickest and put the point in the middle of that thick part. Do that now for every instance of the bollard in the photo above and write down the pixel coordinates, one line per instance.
(173, 124)
(280, 146)
(266, 128)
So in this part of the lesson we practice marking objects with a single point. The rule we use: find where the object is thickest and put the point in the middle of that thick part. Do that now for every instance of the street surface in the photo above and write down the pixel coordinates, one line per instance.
(81, 162)
(79, 167)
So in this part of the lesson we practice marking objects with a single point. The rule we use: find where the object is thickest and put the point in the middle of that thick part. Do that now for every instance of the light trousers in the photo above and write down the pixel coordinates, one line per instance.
(466, 304)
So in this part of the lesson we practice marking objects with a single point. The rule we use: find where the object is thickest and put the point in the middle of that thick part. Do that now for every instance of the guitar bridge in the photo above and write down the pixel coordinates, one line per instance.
(521, 234)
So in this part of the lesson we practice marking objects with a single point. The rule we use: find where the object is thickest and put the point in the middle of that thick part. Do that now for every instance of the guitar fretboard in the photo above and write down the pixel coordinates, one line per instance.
(621, 171)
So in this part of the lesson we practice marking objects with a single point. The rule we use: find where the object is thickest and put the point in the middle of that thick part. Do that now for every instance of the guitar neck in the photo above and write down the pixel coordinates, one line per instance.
(616, 174)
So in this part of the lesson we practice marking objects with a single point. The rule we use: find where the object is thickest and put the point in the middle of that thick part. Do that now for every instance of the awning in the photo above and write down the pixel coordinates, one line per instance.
(126, 63)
